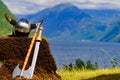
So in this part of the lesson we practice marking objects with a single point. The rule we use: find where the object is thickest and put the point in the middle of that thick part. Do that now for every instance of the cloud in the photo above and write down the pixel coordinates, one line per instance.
(32, 6)
(98, 4)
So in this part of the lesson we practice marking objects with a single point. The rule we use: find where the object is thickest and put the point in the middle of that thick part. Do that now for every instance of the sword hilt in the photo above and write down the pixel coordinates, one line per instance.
(39, 38)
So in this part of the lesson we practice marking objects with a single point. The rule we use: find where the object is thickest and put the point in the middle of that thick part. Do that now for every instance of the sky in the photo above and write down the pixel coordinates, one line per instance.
(33, 6)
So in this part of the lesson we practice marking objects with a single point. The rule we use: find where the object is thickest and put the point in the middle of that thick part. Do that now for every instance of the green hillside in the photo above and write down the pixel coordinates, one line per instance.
(5, 27)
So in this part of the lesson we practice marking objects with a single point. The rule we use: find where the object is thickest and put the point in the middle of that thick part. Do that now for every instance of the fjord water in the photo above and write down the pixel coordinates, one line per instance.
(102, 53)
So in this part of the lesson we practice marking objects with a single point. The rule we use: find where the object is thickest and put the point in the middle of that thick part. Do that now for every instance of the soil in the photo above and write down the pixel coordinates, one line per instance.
(13, 51)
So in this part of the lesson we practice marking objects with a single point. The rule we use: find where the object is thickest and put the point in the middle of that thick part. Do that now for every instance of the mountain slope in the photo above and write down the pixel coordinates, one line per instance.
(113, 33)
(5, 27)
(99, 13)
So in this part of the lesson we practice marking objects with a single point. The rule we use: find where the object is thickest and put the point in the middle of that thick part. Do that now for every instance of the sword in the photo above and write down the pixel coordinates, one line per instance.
(29, 72)
(37, 45)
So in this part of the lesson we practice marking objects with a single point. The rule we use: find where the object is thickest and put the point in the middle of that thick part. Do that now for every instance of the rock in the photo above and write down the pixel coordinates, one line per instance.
(13, 51)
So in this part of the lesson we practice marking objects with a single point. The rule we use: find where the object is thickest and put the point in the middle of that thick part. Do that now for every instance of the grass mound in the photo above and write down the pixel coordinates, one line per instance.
(13, 52)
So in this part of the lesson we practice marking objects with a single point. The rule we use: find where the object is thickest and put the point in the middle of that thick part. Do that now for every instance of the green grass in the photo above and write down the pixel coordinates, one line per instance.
(103, 74)
(5, 27)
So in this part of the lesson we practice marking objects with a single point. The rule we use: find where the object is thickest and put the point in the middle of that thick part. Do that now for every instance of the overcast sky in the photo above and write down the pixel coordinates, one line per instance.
(33, 6)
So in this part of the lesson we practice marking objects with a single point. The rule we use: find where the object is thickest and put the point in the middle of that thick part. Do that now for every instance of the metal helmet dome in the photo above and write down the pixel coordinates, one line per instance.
(23, 23)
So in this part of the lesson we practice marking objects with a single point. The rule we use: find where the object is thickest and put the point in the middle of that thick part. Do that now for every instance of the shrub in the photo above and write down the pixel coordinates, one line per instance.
(80, 64)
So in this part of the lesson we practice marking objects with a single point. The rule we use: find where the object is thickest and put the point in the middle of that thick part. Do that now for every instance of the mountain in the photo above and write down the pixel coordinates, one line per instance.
(5, 27)
(68, 22)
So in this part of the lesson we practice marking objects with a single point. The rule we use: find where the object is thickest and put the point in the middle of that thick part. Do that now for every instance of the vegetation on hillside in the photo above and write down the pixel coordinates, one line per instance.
(5, 27)
(89, 65)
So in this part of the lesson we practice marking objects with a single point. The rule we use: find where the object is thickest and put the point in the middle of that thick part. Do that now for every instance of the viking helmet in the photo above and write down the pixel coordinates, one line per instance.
(23, 23)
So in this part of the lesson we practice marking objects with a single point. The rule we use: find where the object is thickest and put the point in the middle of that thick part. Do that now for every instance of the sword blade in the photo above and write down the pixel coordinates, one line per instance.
(34, 59)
